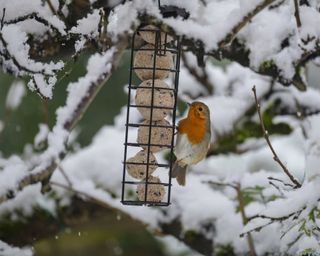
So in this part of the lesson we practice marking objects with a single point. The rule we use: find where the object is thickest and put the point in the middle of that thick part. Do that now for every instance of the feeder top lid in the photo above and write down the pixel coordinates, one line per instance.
(168, 11)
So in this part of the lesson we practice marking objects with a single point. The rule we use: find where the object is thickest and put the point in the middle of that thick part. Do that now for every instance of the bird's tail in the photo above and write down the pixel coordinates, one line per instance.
(179, 172)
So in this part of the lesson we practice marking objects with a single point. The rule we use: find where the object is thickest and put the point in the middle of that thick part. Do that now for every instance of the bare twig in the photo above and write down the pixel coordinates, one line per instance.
(297, 13)
(201, 78)
(240, 199)
(281, 218)
(276, 187)
(255, 229)
(2, 18)
(217, 183)
(281, 181)
(51, 7)
(229, 38)
(64, 174)
(266, 136)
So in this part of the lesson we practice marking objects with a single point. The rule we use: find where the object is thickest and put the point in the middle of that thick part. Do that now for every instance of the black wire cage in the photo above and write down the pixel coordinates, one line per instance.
(155, 59)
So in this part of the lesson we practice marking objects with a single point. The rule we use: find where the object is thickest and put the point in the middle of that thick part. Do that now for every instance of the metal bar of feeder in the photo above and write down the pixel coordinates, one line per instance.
(146, 125)
(151, 68)
(154, 164)
(143, 182)
(171, 50)
(133, 144)
(151, 113)
(149, 203)
(143, 106)
(146, 87)
(127, 121)
(176, 83)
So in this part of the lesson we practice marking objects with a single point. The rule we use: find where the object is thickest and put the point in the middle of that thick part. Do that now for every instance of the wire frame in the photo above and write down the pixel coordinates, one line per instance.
(129, 184)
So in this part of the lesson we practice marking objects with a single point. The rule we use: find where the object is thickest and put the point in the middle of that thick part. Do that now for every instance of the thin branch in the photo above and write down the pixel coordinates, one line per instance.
(217, 183)
(255, 229)
(51, 7)
(262, 216)
(297, 13)
(64, 174)
(235, 30)
(281, 181)
(2, 18)
(245, 219)
(201, 78)
(266, 136)
(276, 187)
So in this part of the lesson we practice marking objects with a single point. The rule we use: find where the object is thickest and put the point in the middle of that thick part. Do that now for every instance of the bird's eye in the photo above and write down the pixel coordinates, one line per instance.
(200, 109)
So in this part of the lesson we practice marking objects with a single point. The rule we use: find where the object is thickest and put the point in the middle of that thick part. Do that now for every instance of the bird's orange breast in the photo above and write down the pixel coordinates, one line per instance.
(194, 128)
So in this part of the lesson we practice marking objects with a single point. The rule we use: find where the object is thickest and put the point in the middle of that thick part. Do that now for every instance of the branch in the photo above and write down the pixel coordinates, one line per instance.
(34, 16)
(296, 13)
(84, 208)
(245, 219)
(45, 173)
(231, 35)
(201, 78)
(217, 183)
(266, 136)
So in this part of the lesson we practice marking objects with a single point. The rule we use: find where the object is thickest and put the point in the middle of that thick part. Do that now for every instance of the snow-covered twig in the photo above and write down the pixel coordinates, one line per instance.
(266, 136)
(229, 38)
(68, 117)
(203, 78)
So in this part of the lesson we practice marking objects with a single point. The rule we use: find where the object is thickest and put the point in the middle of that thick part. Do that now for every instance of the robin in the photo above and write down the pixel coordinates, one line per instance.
(193, 140)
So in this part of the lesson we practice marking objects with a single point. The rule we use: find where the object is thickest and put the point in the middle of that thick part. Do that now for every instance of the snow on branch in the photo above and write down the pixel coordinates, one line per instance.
(6, 249)
(247, 18)
(81, 93)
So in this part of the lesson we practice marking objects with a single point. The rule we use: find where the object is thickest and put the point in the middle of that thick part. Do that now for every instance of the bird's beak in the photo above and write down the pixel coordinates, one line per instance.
(188, 103)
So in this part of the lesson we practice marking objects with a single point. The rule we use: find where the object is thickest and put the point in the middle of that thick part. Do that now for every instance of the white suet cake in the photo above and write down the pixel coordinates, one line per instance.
(150, 36)
(139, 171)
(163, 98)
(155, 192)
(144, 58)
(159, 135)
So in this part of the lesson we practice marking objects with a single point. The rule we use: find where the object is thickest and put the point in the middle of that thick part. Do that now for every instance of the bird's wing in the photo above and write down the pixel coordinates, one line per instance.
(183, 147)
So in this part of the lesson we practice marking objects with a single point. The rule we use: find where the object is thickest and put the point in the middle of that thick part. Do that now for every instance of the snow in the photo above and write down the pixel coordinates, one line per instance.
(97, 65)
(42, 135)
(88, 25)
(121, 19)
(8, 250)
(15, 95)
(17, 47)
(271, 37)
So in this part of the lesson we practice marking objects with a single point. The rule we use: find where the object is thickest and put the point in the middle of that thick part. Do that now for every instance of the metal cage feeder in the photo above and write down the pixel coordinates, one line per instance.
(140, 185)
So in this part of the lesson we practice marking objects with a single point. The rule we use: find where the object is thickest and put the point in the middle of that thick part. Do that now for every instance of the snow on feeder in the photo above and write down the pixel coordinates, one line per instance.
(147, 181)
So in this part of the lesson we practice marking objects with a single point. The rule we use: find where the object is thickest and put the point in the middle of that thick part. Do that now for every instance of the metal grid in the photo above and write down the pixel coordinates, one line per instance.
(159, 50)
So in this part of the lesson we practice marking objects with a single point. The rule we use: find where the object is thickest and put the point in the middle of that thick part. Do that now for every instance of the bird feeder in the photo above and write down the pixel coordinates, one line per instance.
(155, 61)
